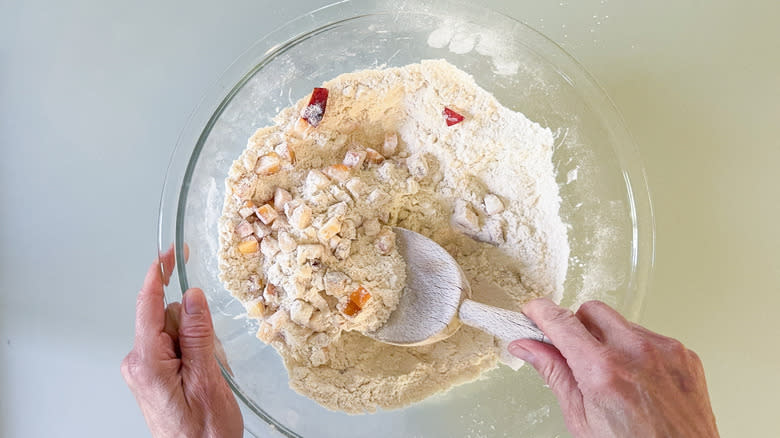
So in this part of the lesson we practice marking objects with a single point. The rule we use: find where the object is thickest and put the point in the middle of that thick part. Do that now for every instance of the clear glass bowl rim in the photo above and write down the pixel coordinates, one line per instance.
(218, 96)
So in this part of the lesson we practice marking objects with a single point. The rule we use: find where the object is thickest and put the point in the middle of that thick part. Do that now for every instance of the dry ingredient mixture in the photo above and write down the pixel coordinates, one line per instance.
(306, 233)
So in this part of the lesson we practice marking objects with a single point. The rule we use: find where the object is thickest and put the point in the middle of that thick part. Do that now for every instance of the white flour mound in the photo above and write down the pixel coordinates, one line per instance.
(383, 156)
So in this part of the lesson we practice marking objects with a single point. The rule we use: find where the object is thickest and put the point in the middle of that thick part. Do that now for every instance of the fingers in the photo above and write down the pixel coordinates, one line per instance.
(604, 322)
(173, 320)
(555, 371)
(168, 261)
(196, 335)
(566, 332)
(150, 305)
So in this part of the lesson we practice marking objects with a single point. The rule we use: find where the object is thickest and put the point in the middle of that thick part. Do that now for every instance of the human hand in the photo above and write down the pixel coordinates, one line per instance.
(614, 378)
(172, 370)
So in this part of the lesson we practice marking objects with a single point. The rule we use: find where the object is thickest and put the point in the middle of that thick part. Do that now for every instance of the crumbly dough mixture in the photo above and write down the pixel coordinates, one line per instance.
(306, 233)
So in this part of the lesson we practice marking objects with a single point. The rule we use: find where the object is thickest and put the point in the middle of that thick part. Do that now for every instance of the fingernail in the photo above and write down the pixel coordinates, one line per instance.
(194, 302)
(519, 351)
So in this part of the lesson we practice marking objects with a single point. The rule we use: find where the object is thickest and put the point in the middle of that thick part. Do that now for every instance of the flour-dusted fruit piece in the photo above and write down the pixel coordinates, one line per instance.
(315, 110)
(268, 164)
(269, 247)
(373, 156)
(309, 252)
(465, 219)
(355, 157)
(417, 165)
(285, 152)
(286, 242)
(492, 232)
(260, 229)
(337, 172)
(256, 309)
(247, 209)
(330, 228)
(267, 213)
(300, 312)
(281, 198)
(315, 181)
(254, 283)
(248, 245)
(451, 117)
(270, 328)
(493, 204)
(378, 197)
(342, 249)
(350, 308)
(300, 217)
(356, 187)
(244, 229)
(336, 283)
(360, 296)
(390, 145)
(385, 241)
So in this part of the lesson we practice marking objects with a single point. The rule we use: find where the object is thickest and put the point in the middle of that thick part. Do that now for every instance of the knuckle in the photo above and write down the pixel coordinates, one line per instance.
(693, 357)
(676, 347)
(132, 369)
(557, 315)
(196, 328)
(591, 305)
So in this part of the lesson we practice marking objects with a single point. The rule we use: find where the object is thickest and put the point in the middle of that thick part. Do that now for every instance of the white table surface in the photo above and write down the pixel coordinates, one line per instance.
(93, 95)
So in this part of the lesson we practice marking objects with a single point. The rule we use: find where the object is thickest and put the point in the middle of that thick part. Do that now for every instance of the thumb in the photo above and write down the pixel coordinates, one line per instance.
(196, 332)
(555, 371)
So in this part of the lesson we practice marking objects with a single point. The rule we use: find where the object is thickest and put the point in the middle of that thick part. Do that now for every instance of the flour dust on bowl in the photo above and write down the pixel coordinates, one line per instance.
(603, 197)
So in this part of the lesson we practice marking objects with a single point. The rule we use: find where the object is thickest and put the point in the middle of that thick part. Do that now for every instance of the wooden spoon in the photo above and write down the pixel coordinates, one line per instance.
(436, 301)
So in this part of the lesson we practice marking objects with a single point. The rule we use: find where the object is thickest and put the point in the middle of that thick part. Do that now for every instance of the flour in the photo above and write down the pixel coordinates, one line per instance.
(306, 233)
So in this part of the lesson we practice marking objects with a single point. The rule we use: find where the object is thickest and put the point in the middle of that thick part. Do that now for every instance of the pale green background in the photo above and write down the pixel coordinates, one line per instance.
(93, 95)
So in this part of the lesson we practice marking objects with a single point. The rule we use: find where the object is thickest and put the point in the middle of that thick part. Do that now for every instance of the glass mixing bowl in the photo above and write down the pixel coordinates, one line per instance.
(604, 197)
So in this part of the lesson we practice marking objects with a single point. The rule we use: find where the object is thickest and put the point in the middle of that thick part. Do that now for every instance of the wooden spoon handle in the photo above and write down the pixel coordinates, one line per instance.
(501, 323)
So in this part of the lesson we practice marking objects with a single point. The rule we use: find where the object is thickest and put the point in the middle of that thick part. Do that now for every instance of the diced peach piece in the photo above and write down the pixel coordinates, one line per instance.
(254, 283)
(355, 157)
(315, 110)
(360, 297)
(281, 198)
(493, 204)
(244, 229)
(248, 245)
(286, 152)
(356, 187)
(246, 212)
(286, 242)
(338, 172)
(329, 229)
(342, 249)
(269, 246)
(373, 156)
(310, 251)
(300, 217)
(385, 241)
(267, 213)
(351, 309)
(464, 218)
(260, 229)
(390, 145)
(255, 309)
(268, 164)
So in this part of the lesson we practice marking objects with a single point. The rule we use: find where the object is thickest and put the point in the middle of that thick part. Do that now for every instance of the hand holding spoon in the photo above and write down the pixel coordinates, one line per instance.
(436, 301)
